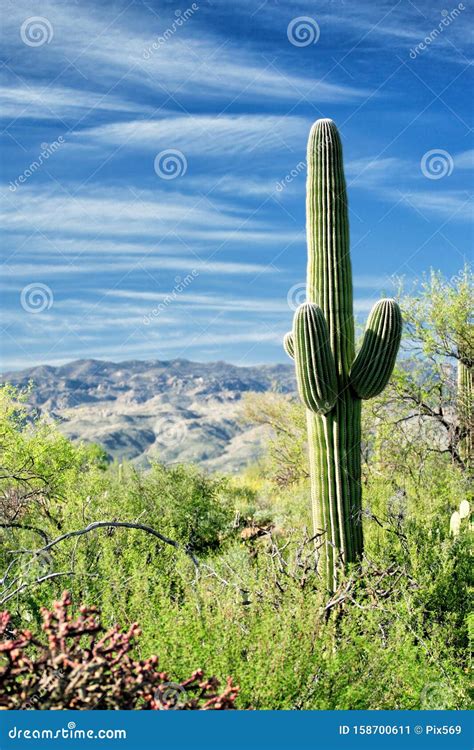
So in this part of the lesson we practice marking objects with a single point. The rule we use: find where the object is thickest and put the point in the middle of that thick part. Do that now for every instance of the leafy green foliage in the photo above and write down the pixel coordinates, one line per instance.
(395, 635)
(423, 411)
(439, 317)
(286, 457)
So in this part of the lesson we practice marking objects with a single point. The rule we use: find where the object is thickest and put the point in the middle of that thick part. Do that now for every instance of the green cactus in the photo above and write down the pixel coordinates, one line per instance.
(331, 379)
(465, 407)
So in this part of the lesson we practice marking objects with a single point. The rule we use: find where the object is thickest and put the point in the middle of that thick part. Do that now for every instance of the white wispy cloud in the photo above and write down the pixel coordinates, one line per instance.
(35, 102)
(401, 181)
(153, 346)
(111, 45)
(453, 205)
(204, 134)
(464, 160)
(87, 265)
(375, 173)
(396, 25)
(205, 301)
(110, 212)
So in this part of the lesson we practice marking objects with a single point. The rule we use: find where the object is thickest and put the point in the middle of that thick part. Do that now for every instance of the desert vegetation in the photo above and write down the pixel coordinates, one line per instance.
(220, 572)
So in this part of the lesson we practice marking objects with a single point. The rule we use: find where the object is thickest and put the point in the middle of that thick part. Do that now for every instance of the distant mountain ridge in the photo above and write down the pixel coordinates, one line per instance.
(172, 411)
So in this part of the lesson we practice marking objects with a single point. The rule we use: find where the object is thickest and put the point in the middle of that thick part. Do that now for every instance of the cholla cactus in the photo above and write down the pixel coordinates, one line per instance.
(331, 379)
(80, 665)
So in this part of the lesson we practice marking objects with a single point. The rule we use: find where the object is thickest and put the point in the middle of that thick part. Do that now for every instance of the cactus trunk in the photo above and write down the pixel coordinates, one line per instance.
(465, 408)
(334, 438)
(334, 455)
(330, 383)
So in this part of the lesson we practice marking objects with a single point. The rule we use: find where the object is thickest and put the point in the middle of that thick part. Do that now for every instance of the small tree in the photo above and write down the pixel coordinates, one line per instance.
(428, 406)
(285, 459)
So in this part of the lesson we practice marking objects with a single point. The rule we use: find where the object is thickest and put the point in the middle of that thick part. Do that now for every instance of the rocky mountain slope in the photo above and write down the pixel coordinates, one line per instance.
(170, 411)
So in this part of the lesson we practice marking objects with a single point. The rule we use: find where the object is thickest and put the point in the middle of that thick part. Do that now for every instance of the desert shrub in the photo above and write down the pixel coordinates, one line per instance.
(395, 635)
(38, 464)
(194, 507)
(80, 665)
(255, 609)
(285, 459)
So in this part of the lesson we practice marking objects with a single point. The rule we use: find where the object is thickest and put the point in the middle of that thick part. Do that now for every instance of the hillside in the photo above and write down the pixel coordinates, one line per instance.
(171, 411)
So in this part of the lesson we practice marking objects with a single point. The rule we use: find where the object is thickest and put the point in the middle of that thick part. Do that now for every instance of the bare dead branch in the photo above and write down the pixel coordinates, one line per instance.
(26, 528)
(39, 580)
(119, 524)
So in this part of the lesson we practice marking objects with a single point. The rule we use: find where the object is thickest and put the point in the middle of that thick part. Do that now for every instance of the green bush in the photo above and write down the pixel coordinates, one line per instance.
(254, 608)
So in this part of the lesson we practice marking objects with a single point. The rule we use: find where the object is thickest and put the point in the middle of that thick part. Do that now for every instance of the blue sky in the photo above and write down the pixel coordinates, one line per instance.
(99, 233)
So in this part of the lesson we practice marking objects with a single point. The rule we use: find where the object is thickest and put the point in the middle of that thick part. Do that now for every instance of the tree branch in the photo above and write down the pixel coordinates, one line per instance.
(118, 524)
(26, 528)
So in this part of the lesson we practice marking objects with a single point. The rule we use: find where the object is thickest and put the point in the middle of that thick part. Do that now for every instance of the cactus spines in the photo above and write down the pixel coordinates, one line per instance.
(322, 345)
(374, 363)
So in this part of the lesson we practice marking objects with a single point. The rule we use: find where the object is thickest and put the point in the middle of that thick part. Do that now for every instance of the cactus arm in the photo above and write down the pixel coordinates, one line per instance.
(375, 361)
(288, 344)
(315, 368)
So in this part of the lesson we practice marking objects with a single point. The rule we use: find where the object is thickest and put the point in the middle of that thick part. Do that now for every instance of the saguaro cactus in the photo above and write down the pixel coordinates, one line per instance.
(331, 380)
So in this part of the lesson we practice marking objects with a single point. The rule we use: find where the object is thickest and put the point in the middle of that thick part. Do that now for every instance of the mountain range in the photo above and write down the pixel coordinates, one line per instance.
(171, 411)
